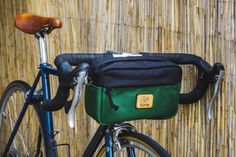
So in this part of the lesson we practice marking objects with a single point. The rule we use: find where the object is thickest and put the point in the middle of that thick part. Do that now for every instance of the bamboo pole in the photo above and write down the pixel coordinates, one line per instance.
(204, 28)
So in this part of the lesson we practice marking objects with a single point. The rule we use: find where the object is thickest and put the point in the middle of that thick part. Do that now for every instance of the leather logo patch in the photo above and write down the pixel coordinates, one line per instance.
(144, 101)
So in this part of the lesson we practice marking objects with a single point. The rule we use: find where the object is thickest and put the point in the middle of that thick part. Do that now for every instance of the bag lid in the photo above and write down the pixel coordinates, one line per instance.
(133, 71)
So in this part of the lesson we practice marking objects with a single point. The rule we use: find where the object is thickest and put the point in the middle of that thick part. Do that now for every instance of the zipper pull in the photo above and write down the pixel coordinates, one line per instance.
(114, 106)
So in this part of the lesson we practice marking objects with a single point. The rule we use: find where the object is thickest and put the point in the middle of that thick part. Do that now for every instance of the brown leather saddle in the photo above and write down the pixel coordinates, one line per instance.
(32, 24)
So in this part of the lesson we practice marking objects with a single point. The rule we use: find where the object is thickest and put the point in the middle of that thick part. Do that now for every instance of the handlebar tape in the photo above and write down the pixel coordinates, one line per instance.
(76, 59)
(59, 101)
(204, 71)
(64, 63)
(181, 58)
(196, 94)
(65, 83)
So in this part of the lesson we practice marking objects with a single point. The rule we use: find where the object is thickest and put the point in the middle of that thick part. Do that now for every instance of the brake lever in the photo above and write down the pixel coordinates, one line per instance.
(81, 79)
(216, 91)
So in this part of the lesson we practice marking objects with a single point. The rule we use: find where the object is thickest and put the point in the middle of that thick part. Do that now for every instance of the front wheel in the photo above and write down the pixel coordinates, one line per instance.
(28, 140)
(136, 145)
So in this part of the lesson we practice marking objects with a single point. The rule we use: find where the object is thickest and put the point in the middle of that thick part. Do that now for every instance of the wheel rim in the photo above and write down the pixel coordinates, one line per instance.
(13, 153)
(25, 141)
(141, 149)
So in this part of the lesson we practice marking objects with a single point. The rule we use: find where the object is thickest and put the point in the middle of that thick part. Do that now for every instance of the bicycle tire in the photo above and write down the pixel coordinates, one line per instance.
(29, 141)
(140, 143)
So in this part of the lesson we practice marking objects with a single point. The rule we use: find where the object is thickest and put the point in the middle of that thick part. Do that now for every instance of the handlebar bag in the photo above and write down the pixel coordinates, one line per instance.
(131, 88)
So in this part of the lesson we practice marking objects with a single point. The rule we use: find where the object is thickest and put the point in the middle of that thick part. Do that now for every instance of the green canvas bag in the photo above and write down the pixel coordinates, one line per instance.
(131, 88)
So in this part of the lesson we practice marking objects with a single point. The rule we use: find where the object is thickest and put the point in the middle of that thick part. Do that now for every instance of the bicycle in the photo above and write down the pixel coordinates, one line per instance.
(120, 138)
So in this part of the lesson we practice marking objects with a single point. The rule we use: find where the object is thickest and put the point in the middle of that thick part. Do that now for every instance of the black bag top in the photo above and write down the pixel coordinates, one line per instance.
(114, 70)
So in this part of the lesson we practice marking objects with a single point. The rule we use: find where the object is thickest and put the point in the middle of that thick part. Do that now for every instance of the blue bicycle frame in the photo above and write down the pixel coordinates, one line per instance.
(44, 71)
(47, 122)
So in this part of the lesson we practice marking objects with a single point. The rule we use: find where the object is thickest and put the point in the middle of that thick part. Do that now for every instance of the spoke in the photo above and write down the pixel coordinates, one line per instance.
(12, 123)
(31, 145)
(12, 126)
(133, 149)
(27, 136)
(19, 134)
(26, 142)
(4, 115)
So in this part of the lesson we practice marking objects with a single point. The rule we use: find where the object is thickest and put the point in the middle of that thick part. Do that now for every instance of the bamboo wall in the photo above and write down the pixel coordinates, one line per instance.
(204, 28)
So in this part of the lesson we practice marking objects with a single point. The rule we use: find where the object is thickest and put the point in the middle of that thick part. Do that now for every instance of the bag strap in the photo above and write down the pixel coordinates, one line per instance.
(114, 106)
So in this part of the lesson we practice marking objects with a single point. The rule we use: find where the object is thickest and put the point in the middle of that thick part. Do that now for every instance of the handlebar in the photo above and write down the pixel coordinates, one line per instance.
(206, 73)
(64, 62)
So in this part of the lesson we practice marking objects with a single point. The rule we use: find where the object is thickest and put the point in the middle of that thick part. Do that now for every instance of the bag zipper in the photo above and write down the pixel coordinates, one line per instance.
(102, 63)
(164, 66)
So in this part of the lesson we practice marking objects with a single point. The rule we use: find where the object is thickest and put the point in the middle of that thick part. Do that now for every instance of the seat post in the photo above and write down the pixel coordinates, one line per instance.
(42, 48)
